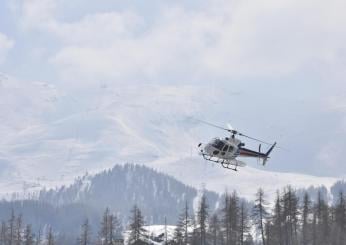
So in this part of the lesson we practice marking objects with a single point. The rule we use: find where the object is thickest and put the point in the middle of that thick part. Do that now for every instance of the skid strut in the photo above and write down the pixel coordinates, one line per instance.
(224, 163)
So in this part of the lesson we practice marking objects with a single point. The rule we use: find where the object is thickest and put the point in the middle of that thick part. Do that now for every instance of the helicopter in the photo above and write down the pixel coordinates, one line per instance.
(226, 151)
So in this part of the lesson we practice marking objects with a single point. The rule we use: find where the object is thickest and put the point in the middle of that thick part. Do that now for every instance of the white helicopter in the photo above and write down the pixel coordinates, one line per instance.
(225, 151)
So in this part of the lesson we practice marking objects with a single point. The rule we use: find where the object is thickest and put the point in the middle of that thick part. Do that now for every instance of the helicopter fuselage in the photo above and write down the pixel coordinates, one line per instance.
(227, 148)
(225, 151)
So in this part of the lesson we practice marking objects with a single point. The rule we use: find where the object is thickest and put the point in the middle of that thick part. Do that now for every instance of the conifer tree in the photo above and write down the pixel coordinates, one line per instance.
(28, 235)
(3, 233)
(11, 228)
(195, 237)
(18, 230)
(226, 218)
(322, 224)
(50, 237)
(104, 230)
(260, 213)
(243, 223)
(109, 228)
(202, 217)
(137, 232)
(305, 219)
(181, 231)
(85, 235)
(314, 228)
(290, 215)
(249, 240)
(214, 230)
(277, 220)
(340, 220)
(186, 223)
(39, 237)
(234, 218)
(114, 228)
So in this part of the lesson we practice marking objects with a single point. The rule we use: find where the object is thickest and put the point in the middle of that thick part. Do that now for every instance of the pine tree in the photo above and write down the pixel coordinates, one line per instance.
(109, 228)
(85, 236)
(11, 229)
(249, 240)
(28, 236)
(322, 220)
(214, 229)
(18, 230)
(277, 219)
(305, 220)
(39, 237)
(260, 213)
(104, 231)
(340, 220)
(314, 228)
(234, 218)
(195, 236)
(202, 217)
(243, 223)
(179, 233)
(114, 227)
(50, 237)
(186, 223)
(290, 215)
(226, 218)
(3, 233)
(137, 231)
(181, 230)
(268, 226)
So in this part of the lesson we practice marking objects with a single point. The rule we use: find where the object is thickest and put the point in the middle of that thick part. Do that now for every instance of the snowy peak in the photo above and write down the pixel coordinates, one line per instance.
(123, 186)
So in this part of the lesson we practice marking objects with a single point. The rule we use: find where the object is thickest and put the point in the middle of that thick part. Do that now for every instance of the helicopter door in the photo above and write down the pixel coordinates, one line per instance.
(231, 148)
(224, 150)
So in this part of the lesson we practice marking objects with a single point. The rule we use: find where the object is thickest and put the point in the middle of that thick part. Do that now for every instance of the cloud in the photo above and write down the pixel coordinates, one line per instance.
(298, 44)
(35, 14)
(5, 45)
(238, 39)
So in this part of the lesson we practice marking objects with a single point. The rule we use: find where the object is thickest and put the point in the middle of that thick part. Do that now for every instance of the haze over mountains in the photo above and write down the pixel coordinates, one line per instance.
(52, 135)
(159, 196)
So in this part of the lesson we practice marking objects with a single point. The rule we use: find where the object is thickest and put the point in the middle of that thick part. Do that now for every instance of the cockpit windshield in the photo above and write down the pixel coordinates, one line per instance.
(218, 144)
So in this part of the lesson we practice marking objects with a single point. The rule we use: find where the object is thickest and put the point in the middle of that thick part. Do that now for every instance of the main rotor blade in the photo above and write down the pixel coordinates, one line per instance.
(233, 131)
(258, 140)
(215, 126)
(229, 126)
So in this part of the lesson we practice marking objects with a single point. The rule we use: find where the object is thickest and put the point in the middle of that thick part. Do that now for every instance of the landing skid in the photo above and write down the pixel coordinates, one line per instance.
(229, 164)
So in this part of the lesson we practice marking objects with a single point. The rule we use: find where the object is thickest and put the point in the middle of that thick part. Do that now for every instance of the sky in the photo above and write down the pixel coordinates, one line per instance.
(274, 69)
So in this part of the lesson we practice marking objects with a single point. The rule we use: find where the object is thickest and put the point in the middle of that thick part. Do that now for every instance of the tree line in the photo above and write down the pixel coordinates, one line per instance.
(290, 220)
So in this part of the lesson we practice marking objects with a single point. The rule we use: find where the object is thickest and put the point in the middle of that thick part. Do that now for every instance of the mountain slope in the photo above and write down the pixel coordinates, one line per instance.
(157, 194)
(160, 197)
(51, 134)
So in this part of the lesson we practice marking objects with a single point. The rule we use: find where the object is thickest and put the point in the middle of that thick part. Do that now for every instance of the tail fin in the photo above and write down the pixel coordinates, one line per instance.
(267, 154)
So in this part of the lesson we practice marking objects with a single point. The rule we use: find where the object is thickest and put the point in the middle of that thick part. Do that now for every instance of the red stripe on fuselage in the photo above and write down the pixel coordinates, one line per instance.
(250, 153)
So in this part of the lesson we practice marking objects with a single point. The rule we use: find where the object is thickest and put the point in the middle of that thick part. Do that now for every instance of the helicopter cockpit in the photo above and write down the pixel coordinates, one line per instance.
(218, 144)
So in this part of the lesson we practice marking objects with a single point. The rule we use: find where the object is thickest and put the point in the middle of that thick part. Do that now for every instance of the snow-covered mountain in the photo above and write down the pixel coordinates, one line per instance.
(120, 188)
(52, 133)
(160, 198)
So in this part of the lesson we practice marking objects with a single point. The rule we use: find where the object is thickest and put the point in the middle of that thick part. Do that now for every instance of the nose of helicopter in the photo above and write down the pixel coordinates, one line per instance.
(208, 149)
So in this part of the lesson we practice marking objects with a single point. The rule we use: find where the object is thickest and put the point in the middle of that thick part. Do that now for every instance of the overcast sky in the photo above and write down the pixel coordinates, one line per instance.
(279, 63)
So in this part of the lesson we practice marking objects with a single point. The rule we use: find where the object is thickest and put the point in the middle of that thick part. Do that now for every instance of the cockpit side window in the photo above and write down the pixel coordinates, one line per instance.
(218, 144)
(225, 148)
